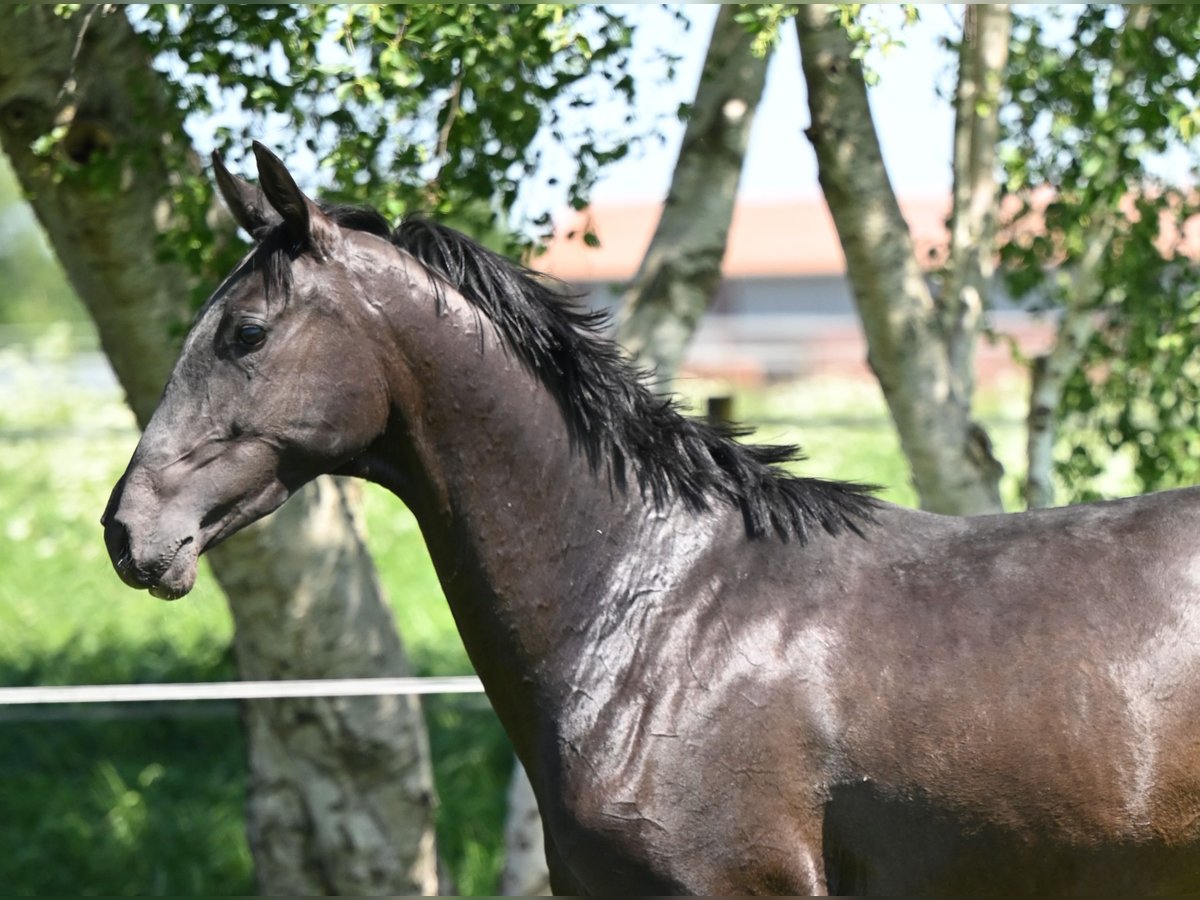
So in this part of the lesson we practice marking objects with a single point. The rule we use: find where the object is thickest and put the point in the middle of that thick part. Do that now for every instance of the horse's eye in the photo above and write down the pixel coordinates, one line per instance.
(251, 334)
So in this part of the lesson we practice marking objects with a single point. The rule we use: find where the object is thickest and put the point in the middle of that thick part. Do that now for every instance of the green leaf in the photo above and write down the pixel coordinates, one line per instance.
(1092, 165)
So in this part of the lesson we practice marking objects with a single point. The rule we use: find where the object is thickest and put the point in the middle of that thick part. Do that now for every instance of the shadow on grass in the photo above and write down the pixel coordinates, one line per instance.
(139, 802)
(119, 807)
(150, 799)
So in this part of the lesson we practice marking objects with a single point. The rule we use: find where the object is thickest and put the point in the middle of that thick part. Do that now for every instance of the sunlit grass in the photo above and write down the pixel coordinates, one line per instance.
(844, 429)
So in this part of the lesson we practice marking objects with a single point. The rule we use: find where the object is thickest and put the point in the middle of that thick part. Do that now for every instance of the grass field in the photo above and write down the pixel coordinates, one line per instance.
(150, 802)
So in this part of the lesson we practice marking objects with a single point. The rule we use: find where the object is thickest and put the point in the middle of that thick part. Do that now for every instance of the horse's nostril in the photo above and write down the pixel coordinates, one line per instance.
(120, 551)
(116, 539)
(114, 499)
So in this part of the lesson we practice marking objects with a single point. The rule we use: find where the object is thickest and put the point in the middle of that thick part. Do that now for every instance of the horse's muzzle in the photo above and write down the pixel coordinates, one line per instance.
(164, 569)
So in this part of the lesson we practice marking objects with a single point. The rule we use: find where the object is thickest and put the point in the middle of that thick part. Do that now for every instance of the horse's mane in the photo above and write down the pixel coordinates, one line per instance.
(611, 414)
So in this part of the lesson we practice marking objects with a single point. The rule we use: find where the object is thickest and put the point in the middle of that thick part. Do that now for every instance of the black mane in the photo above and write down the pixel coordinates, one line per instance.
(610, 413)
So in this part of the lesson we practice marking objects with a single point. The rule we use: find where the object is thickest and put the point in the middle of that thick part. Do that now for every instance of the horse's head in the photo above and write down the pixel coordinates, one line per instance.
(279, 381)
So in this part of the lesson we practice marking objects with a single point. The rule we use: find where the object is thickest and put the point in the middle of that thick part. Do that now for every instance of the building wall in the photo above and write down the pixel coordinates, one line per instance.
(775, 328)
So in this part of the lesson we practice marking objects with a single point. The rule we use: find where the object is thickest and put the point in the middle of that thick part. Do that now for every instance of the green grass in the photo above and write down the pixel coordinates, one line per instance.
(153, 803)
(123, 807)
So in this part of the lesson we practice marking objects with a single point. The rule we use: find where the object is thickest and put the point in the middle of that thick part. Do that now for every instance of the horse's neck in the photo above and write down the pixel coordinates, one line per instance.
(523, 533)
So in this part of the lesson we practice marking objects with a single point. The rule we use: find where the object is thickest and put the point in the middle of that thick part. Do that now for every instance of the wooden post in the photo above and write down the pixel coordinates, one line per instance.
(720, 409)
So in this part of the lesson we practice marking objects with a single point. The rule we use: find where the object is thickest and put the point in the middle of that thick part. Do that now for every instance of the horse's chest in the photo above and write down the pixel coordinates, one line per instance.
(650, 805)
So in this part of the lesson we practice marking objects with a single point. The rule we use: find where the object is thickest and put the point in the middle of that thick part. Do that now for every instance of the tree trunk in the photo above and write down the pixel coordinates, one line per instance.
(341, 785)
(972, 262)
(340, 798)
(1082, 295)
(908, 348)
(1052, 370)
(525, 872)
(679, 275)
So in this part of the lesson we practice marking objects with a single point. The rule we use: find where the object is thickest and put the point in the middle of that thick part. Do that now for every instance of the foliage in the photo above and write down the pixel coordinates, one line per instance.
(764, 21)
(446, 109)
(1139, 387)
(1098, 96)
(875, 29)
(871, 28)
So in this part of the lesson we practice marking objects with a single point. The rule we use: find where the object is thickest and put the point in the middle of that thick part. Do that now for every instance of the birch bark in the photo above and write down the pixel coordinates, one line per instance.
(679, 275)
(916, 359)
(525, 871)
(972, 256)
(1050, 371)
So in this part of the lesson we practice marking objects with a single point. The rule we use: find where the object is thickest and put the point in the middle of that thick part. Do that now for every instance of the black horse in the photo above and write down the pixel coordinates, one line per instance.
(721, 678)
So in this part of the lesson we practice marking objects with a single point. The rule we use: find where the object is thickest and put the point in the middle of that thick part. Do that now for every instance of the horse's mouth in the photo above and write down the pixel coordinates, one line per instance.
(164, 591)
(179, 575)
(169, 577)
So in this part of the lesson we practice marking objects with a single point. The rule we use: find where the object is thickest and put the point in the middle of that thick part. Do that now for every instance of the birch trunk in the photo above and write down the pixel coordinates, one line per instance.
(1051, 371)
(1078, 321)
(972, 260)
(953, 467)
(679, 275)
(342, 789)
(525, 872)
(340, 798)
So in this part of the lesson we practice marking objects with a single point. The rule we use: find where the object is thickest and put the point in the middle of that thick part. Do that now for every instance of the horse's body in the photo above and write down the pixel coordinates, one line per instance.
(886, 701)
(1005, 704)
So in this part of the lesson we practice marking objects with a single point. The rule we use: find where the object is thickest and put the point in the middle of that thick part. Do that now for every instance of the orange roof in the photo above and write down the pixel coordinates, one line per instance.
(796, 238)
(765, 239)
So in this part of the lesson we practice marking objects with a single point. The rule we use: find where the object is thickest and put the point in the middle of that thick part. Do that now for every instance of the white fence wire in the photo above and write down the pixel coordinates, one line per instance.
(237, 690)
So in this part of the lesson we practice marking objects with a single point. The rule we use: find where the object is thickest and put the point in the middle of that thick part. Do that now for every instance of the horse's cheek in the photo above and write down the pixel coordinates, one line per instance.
(349, 420)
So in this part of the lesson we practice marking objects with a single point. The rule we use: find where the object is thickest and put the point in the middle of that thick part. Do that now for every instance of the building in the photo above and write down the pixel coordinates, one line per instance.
(784, 309)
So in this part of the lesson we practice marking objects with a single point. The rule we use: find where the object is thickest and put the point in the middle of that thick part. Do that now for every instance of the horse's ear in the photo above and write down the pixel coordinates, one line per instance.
(303, 218)
(246, 202)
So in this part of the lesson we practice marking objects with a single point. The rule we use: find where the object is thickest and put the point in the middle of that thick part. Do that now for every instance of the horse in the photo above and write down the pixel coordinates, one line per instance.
(721, 678)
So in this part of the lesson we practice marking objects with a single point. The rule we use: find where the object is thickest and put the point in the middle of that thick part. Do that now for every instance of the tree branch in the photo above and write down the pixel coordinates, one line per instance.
(681, 270)
(953, 468)
(1052, 370)
(1078, 321)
